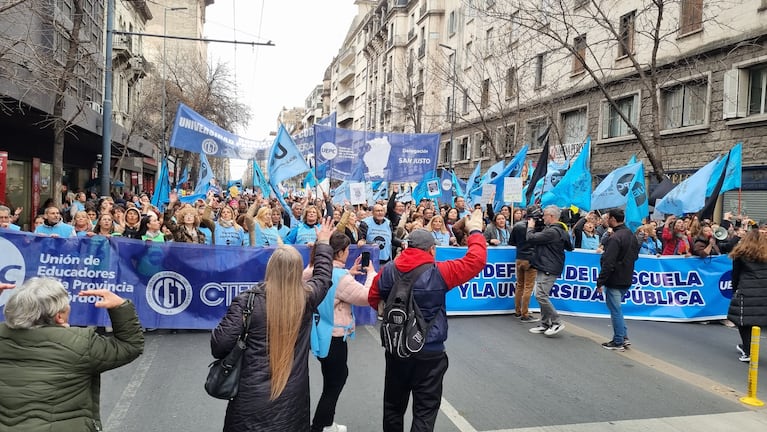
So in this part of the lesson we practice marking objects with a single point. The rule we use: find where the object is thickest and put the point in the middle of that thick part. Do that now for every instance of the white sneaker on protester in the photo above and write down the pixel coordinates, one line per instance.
(335, 427)
(538, 330)
(554, 329)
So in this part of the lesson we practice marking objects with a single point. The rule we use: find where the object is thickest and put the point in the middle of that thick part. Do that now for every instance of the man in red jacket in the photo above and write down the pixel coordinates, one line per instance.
(421, 374)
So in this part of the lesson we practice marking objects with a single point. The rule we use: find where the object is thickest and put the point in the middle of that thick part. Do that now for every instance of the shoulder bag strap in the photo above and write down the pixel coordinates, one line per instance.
(246, 314)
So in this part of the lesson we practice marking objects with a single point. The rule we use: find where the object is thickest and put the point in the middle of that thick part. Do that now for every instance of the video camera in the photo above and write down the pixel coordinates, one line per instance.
(535, 213)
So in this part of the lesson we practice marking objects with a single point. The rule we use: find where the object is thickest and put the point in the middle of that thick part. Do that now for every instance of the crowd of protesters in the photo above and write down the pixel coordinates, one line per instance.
(249, 219)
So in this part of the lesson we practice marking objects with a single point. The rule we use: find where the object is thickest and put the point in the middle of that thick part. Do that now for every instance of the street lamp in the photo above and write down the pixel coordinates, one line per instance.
(164, 60)
(452, 109)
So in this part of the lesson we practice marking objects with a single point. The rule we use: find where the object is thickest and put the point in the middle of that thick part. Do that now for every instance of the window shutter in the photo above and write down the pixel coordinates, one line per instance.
(606, 120)
(735, 98)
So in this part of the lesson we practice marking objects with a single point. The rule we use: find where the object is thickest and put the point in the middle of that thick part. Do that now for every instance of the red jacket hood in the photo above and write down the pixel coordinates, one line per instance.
(411, 258)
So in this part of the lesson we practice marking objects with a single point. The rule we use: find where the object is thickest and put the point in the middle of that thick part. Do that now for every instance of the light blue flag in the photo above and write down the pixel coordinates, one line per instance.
(458, 187)
(632, 160)
(554, 174)
(612, 191)
(637, 203)
(513, 169)
(406, 194)
(190, 199)
(690, 195)
(206, 175)
(492, 173)
(259, 180)
(381, 192)
(473, 181)
(161, 193)
(422, 188)
(732, 178)
(285, 161)
(310, 180)
(183, 179)
(341, 193)
(575, 186)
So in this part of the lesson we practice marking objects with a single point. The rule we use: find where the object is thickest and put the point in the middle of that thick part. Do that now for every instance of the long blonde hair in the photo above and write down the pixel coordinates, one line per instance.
(285, 306)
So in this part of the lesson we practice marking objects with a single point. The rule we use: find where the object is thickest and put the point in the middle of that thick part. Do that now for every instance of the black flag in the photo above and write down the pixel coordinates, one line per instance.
(541, 168)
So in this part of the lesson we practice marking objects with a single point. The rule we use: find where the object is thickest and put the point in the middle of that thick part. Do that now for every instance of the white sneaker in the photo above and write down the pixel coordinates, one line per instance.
(554, 329)
(335, 427)
(538, 330)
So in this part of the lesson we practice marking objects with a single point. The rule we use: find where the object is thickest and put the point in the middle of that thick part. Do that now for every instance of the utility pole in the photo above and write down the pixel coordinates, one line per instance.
(452, 109)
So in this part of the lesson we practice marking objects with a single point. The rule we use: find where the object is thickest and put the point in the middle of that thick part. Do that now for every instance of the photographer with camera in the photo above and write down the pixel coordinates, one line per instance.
(549, 260)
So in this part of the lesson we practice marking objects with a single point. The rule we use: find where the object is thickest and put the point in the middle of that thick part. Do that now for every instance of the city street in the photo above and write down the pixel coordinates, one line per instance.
(501, 378)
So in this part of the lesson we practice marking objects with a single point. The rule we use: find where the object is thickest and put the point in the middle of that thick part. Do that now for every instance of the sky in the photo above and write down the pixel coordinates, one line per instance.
(307, 34)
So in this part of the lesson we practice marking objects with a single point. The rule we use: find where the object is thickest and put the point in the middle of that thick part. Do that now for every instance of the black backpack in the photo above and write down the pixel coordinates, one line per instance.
(403, 329)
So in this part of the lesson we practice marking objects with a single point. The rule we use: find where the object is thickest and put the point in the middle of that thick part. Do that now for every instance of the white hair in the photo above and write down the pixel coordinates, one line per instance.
(553, 211)
(36, 303)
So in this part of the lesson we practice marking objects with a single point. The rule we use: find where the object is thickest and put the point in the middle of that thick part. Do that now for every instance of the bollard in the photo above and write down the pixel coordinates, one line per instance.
(753, 368)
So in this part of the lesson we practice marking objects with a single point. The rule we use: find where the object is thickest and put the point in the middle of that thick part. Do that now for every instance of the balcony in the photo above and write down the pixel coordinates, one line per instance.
(411, 34)
(423, 9)
(122, 47)
(421, 50)
(345, 96)
(139, 66)
(347, 56)
(346, 75)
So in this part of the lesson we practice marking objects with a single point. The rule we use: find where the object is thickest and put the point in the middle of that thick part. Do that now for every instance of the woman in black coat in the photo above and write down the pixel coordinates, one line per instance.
(274, 382)
(748, 306)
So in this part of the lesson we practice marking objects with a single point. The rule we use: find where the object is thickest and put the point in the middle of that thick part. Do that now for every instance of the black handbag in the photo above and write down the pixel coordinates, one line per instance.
(224, 375)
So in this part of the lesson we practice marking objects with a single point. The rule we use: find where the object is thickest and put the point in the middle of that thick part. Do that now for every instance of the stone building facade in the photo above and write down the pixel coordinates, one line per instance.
(687, 90)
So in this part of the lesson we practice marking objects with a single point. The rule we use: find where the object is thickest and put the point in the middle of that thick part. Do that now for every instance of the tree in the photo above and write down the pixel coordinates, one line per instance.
(582, 37)
(207, 89)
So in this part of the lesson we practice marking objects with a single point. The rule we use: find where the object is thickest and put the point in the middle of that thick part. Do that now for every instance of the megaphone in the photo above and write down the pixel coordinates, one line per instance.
(720, 233)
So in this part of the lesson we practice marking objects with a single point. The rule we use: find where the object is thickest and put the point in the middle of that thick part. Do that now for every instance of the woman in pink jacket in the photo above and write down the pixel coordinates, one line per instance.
(347, 292)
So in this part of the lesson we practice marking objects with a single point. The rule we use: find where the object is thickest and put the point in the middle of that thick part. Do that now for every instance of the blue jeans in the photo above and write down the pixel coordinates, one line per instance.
(613, 298)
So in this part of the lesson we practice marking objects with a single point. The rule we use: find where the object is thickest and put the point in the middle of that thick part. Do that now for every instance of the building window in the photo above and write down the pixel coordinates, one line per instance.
(463, 149)
(690, 16)
(684, 105)
(451, 23)
(574, 126)
(536, 129)
(485, 98)
(480, 145)
(514, 30)
(445, 152)
(467, 55)
(465, 103)
(511, 82)
(579, 57)
(626, 34)
(505, 139)
(580, 3)
(757, 101)
(745, 91)
(489, 42)
(449, 106)
(612, 123)
(539, 59)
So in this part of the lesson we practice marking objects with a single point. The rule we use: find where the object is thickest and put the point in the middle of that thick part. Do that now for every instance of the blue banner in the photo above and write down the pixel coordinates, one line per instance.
(195, 133)
(665, 289)
(383, 156)
(174, 285)
(613, 190)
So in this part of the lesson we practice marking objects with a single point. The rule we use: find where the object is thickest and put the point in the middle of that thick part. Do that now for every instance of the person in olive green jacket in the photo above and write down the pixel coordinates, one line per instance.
(50, 372)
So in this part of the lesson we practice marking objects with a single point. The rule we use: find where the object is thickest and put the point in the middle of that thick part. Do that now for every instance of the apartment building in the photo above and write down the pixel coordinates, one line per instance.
(35, 38)
(675, 92)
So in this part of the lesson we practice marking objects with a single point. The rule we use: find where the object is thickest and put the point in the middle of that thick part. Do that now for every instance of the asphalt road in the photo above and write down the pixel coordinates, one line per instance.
(501, 378)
